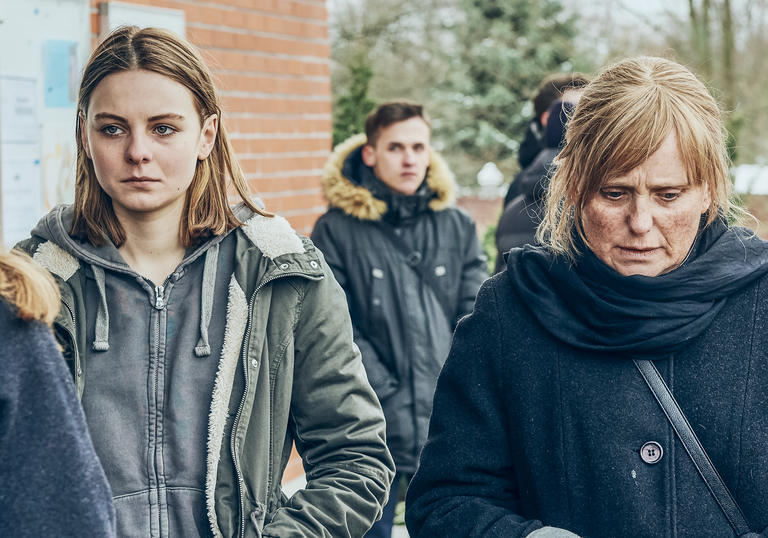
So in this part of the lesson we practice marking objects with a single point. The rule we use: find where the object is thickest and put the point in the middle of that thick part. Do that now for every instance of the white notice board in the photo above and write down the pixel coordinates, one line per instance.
(20, 188)
(114, 14)
(43, 47)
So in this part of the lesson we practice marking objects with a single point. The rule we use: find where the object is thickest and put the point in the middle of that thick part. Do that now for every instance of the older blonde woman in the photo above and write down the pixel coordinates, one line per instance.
(546, 420)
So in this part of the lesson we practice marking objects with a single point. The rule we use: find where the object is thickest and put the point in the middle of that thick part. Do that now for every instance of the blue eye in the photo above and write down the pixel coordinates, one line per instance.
(164, 130)
(669, 196)
(613, 195)
(111, 130)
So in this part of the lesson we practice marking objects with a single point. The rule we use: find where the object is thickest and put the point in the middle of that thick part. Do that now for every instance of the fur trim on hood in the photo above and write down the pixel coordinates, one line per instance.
(358, 201)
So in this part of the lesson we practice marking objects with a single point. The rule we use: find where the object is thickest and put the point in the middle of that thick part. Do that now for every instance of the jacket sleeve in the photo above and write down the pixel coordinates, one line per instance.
(53, 483)
(465, 484)
(338, 426)
(382, 380)
(473, 272)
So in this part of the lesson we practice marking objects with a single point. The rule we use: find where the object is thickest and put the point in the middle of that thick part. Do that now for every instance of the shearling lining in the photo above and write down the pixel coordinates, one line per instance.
(237, 318)
(273, 235)
(56, 260)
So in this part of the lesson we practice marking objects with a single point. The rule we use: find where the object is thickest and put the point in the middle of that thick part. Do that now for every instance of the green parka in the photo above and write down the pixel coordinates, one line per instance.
(288, 372)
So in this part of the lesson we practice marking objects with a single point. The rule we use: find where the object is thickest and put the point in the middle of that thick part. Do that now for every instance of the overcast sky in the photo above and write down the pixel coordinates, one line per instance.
(643, 12)
(644, 7)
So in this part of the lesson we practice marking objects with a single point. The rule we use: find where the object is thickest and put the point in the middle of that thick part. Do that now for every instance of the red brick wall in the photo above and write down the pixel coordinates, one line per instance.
(271, 60)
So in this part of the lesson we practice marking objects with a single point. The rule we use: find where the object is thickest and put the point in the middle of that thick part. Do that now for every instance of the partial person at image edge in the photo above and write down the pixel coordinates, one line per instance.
(543, 425)
(51, 482)
(410, 264)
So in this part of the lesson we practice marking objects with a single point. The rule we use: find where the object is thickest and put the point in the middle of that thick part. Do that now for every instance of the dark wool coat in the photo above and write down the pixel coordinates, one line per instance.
(400, 326)
(51, 483)
(528, 431)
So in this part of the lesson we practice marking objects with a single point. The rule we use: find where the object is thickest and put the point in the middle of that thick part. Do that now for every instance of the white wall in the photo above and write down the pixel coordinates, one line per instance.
(46, 42)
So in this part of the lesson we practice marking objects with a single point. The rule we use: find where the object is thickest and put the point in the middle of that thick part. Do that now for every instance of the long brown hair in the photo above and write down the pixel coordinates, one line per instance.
(28, 287)
(623, 117)
(206, 208)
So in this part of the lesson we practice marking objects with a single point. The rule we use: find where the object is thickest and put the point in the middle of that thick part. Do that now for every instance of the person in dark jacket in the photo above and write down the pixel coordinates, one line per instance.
(52, 481)
(544, 424)
(552, 88)
(409, 262)
(522, 215)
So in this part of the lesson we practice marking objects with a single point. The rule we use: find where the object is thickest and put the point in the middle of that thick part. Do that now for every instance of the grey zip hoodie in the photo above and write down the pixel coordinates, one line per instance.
(151, 375)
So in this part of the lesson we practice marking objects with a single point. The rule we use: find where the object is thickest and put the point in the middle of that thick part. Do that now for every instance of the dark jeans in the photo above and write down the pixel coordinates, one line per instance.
(383, 527)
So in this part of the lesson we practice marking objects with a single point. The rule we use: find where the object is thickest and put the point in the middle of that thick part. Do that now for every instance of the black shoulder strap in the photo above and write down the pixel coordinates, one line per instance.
(692, 445)
(414, 260)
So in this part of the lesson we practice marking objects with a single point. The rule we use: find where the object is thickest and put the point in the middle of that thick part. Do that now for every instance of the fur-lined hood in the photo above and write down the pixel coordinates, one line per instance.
(358, 201)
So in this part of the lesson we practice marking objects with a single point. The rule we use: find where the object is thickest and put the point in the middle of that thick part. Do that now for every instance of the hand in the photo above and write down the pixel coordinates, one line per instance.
(552, 532)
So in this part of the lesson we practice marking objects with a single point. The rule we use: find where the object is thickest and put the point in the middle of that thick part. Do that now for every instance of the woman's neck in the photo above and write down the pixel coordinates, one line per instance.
(153, 246)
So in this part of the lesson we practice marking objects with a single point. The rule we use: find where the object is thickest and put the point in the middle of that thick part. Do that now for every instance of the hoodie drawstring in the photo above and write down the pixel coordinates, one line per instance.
(203, 348)
(101, 338)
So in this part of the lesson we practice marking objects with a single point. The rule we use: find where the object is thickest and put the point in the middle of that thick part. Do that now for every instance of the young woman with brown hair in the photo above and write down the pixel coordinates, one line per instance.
(205, 340)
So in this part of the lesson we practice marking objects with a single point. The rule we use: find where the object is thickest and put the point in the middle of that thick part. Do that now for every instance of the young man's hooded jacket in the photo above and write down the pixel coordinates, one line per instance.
(195, 390)
(402, 325)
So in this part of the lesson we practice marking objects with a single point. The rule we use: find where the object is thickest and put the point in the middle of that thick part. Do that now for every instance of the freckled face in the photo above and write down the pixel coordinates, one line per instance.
(401, 156)
(144, 137)
(645, 223)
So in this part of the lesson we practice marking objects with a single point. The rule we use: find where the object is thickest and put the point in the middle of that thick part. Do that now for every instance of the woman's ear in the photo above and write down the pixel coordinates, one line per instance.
(83, 133)
(208, 136)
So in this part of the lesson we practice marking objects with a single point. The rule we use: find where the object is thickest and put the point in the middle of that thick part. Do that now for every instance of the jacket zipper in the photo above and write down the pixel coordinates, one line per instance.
(238, 471)
(244, 353)
(159, 299)
(159, 304)
(71, 334)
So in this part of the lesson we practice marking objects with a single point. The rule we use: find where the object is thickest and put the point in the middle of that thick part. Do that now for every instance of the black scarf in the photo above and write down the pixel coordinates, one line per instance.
(591, 306)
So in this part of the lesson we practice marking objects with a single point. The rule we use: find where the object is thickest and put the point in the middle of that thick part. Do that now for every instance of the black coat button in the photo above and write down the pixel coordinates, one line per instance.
(414, 258)
(651, 452)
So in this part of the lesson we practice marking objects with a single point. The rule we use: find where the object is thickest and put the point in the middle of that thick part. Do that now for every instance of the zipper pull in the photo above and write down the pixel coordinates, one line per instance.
(159, 302)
